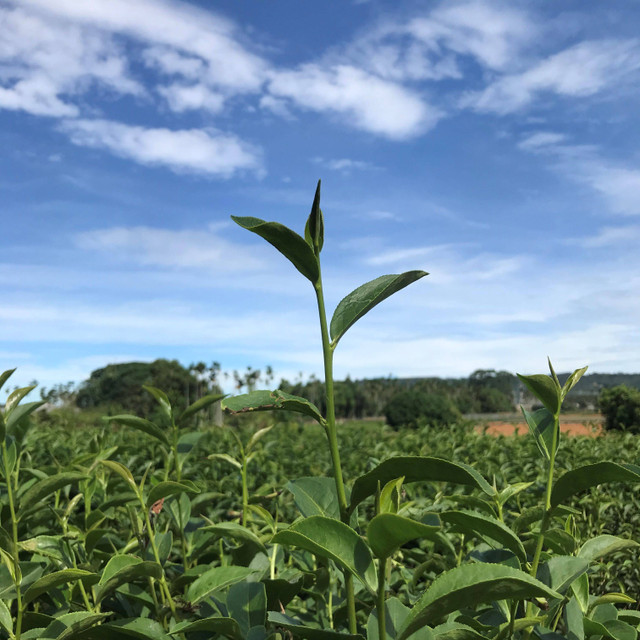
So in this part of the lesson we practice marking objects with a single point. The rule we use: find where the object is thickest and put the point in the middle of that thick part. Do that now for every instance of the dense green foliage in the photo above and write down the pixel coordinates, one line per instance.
(620, 407)
(409, 408)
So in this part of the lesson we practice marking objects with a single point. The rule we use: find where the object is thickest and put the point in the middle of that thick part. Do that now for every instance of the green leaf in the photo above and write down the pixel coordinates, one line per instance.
(43, 488)
(264, 400)
(122, 471)
(140, 424)
(170, 488)
(216, 579)
(14, 399)
(615, 629)
(361, 300)
(332, 539)
(226, 457)
(387, 532)
(545, 390)
(71, 625)
(458, 631)
(247, 603)
(141, 628)
(416, 469)
(199, 405)
(122, 570)
(6, 622)
(227, 627)
(590, 475)
(20, 412)
(299, 630)
(572, 380)
(162, 399)
(470, 585)
(600, 546)
(314, 229)
(512, 490)
(287, 242)
(5, 376)
(543, 428)
(486, 527)
(237, 532)
(389, 500)
(395, 615)
(257, 436)
(315, 496)
(560, 572)
(51, 580)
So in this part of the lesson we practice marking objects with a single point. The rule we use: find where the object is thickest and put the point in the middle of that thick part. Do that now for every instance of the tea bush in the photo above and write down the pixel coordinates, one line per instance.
(620, 407)
(412, 407)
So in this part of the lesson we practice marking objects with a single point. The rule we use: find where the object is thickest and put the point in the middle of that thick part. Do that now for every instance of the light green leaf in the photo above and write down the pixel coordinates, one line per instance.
(332, 539)
(51, 580)
(387, 532)
(416, 469)
(161, 398)
(216, 579)
(141, 628)
(43, 488)
(615, 629)
(590, 475)
(14, 399)
(395, 615)
(226, 457)
(545, 390)
(299, 630)
(122, 570)
(543, 427)
(170, 488)
(71, 625)
(5, 376)
(6, 622)
(560, 572)
(572, 380)
(600, 546)
(390, 496)
(199, 405)
(264, 400)
(122, 471)
(361, 300)
(20, 412)
(468, 586)
(315, 496)
(287, 242)
(486, 527)
(140, 424)
(257, 436)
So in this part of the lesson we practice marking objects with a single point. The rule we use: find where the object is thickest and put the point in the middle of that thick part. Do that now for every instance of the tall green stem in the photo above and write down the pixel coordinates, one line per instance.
(380, 599)
(332, 436)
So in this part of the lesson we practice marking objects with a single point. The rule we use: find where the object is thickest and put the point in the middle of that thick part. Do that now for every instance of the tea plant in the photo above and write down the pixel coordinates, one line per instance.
(151, 537)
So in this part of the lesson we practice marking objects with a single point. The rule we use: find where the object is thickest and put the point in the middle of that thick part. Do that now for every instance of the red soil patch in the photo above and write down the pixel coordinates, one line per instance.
(497, 428)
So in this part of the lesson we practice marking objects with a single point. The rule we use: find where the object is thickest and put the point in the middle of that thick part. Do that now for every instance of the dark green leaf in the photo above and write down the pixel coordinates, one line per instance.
(71, 625)
(416, 469)
(590, 475)
(227, 627)
(395, 615)
(315, 496)
(51, 580)
(361, 300)
(5, 376)
(199, 405)
(43, 488)
(247, 604)
(470, 585)
(141, 628)
(615, 629)
(545, 390)
(264, 400)
(237, 532)
(287, 242)
(487, 527)
(170, 488)
(6, 622)
(560, 572)
(314, 229)
(118, 573)
(600, 546)
(141, 425)
(299, 630)
(387, 532)
(332, 539)
(215, 579)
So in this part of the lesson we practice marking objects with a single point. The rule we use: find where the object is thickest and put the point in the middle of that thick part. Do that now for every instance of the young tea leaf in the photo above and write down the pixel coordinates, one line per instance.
(199, 405)
(51, 580)
(544, 429)
(572, 380)
(387, 532)
(314, 229)
(161, 398)
(361, 300)
(287, 242)
(544, 389)
(263, 400)
(140, 424)
(170, 488)
(47, 486)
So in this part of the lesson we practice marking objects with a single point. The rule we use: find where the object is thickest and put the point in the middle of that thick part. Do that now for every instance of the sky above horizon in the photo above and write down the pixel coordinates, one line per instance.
(492, 144)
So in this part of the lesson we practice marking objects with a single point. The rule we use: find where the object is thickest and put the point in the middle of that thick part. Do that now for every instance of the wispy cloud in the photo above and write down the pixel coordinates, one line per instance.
(582, 70)
(344, 165)
(609, 237)
(207, 152)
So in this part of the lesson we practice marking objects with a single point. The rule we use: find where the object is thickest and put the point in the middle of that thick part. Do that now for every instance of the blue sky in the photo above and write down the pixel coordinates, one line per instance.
(493, 144)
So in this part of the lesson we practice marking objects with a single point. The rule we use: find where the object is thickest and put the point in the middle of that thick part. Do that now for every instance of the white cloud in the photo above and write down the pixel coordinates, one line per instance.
(207, 152)
(541, 139)
(344, 165)
(44, 62)
(581, 70)
(361, 99)
(181, 97)
(609, 236)
(171, 248)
